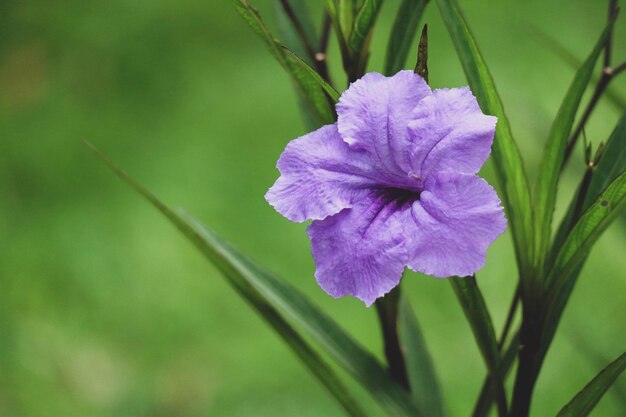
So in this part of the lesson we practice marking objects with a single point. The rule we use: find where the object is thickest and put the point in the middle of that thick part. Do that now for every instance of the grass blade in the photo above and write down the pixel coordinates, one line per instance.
(570, 259)
(363, 23)
(422, 377)
(332, 93)
(584, 402)
(486, 397)
(306, 84)
(547, 181)
(508, 162)
(403, 34)
(477, 315)
(587, 231)
(611, 164)
(271, 296)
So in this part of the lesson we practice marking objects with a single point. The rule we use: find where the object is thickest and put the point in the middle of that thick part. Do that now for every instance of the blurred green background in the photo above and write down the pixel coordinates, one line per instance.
(106, 311)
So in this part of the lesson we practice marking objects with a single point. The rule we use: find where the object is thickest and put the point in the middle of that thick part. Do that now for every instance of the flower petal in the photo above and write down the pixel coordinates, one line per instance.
(450, 133)
(453, 223)
(360, 251)
(320, 176)
(373, 115)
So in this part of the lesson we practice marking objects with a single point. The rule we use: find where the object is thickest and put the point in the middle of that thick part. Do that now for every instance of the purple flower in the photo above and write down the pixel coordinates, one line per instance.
(392, 184)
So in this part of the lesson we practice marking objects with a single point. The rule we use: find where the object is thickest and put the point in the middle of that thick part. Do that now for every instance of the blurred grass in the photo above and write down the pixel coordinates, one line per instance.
(106, 311)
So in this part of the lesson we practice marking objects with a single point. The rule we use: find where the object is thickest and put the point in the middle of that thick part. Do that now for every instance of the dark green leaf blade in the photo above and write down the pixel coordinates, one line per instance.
(584, 402)
(363, 23)
(508, 162)
(553, 156)
(477, 315)
(332, 93)
(403, 33)
(422, 376)
(237, 275)
(612, 162)
(268, 295)
(291, 36)
(307, 86)
(586, 232)
(485, 398)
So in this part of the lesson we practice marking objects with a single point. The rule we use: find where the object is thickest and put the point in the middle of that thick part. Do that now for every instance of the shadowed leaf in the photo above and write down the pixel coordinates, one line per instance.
(477, 315)
(548, 178)
(422, 377)
(304, 81)
(332, 93)
(508, 162)
(584, 402)
(403, 33)
(270, 296)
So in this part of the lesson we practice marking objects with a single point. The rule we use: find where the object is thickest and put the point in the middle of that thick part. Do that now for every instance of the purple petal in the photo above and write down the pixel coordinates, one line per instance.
(453, 223)
(320, 176)
(360, 251)
(450, 133)
(373, 115)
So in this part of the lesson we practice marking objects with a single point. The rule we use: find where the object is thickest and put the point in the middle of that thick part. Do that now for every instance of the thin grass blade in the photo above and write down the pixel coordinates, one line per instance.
(574, 251)
(422, 376)
(363, 23)
(478, 316)
(332, 93)
(548, 178)
(403, 34)
(508, 162)
(271, 296)
(305, 83)
(585, 401)
(612, 162)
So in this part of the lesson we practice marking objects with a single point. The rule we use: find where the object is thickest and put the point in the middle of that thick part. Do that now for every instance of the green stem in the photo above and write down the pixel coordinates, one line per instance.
(387, 308)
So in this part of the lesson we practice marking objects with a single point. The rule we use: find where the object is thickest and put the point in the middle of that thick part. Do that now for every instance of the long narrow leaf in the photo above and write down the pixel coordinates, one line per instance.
(611, 164)
(506, 156)
(587, 231)
(548, 178)
(288, 32)
(268, 294)
(332, 93)
(562, 278)
(422, 377)
(363, 23)
(304, 81)
(239, 276)
(486, 397)
(584, 402)
(477, 315)
(403, 34)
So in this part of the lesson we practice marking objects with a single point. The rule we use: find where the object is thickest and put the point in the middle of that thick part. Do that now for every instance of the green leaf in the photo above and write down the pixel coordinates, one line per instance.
(508, 162)
(612, 162)
(586, 232)
(306, 84)
(287, 30)
(574, 251)
(548, 178)
(403, 34)
(486, 397)
(477, 315)
(422, 377)
(551, 43)
(359, 37)
(332, 93)
(267, 294)
(584, 402)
